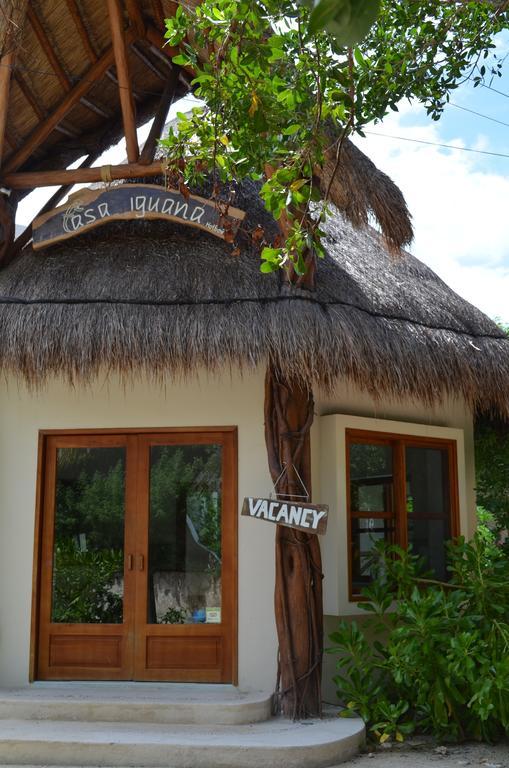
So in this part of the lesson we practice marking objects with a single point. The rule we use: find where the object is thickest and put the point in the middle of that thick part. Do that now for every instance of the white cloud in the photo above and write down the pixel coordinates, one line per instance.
(459, 209)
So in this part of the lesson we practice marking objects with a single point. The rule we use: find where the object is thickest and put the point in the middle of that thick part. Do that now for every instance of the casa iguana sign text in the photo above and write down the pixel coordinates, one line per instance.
(311, 518)
(94, 207)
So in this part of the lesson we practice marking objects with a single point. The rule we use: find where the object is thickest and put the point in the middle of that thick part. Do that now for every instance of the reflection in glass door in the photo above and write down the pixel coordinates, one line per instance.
(138, 557)
(184, 547)
(88, 550)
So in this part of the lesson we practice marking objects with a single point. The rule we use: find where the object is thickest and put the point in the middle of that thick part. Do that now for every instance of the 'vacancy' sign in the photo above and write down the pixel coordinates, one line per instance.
(311, 518)
(94, 207)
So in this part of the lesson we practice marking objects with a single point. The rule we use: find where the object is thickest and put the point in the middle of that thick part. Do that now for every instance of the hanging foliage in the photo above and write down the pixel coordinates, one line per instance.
(285, 83)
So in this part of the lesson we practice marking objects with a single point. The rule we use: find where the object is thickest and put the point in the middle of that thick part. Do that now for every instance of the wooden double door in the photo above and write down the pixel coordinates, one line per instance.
(137, 556)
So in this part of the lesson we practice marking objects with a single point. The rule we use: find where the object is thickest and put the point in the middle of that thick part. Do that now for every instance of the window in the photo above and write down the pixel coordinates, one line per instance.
(403, 490)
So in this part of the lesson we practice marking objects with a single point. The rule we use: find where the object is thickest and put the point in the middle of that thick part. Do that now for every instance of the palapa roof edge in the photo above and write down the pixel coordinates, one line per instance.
(165, 300)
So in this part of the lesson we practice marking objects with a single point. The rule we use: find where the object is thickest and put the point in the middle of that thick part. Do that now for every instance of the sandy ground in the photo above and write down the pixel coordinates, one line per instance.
(415, 754)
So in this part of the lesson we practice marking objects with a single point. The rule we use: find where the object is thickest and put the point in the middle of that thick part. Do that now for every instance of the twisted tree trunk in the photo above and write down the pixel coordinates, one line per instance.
(298, 590)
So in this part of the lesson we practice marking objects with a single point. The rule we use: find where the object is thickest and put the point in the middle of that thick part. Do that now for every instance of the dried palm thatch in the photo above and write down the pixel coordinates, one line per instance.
(12, 15)
(359, 189)
(147, 297)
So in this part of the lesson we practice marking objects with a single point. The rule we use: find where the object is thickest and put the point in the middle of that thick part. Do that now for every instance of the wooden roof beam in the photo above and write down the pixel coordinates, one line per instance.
(124, 81)
(114, 79)
(82, 31)
(95, 73)
(93, 106)
(32, 179)
(53, 60)
(158, 12)
(158, 42)
(6, 62)
(135, 17)
(148, 63)
(47, 47)
(167, 96)
(29, 96)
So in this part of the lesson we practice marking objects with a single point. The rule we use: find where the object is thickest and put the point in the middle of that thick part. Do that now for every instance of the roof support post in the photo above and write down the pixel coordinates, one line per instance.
(298, 606)
(149, 150)
(6, 62)
(125, 91)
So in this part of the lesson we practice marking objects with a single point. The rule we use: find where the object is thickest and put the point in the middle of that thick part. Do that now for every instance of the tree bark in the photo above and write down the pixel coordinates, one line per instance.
(298, 589)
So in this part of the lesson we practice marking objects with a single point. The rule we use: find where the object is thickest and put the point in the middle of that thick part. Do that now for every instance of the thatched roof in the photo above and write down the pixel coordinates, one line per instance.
(64, 101)
(167, 300)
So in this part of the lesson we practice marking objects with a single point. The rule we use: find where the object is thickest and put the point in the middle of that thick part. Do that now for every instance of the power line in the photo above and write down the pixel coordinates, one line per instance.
(438, 144)
(479, 114)
(495, 90)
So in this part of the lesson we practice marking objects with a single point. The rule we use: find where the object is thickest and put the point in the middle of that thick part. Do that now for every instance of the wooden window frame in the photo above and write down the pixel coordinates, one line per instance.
(399, 442)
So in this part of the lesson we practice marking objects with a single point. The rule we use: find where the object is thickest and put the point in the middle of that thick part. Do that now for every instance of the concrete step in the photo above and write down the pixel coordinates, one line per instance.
(170, 703)
(275, 742)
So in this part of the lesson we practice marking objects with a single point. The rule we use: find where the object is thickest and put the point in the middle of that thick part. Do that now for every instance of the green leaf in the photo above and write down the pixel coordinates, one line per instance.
(181, 60)
(348, 21)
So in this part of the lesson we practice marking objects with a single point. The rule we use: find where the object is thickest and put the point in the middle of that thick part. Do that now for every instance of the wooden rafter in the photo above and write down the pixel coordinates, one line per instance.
(29, 96)
(47, 47)
(72, 133)
(33, 179)
(124, 81)
(82, 31)
(135, 17)
(93, 106)
(148, 63)
(149, 150)
(95, 73)
(114, 79)
(7, 62)
(157, 42)
(158, 12)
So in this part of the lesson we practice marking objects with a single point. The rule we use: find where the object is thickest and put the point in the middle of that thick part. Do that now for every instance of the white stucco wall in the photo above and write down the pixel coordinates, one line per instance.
(209, 401)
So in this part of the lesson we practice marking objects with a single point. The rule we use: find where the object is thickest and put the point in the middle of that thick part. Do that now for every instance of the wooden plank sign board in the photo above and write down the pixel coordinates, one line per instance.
(94, 207)
(311, 518)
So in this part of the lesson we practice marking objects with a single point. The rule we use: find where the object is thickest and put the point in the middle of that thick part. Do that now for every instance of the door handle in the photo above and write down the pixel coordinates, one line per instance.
(141, 562)
(129, 562)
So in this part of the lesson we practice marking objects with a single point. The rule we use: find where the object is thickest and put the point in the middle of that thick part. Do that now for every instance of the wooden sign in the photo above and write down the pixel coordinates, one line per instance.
(94, 207)
(311, 518)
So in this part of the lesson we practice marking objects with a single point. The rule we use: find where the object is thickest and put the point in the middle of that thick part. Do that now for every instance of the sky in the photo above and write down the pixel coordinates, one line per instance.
(459, 200)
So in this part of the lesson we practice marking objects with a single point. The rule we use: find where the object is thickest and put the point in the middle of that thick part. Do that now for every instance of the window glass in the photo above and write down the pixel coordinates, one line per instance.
(371, 479)
(428, 504)
(366, 532)
(371, 505)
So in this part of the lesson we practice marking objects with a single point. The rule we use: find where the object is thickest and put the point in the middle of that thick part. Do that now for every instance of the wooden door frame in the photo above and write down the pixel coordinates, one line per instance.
(43, 435)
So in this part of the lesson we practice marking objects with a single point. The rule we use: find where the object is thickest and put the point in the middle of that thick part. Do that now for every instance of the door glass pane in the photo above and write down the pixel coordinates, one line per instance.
(184, 568)
(88, 552)
(371, 480)
(428, 505)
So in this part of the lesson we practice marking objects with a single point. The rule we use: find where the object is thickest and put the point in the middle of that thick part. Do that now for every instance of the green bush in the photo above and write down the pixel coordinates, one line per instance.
(440, 660)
